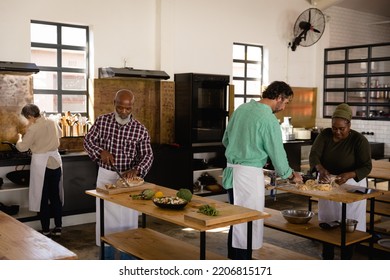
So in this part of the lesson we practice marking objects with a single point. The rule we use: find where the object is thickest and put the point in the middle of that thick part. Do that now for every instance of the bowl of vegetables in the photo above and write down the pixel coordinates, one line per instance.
(170, 202)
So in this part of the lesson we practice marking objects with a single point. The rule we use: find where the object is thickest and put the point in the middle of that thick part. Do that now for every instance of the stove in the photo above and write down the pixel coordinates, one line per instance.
(4, 155)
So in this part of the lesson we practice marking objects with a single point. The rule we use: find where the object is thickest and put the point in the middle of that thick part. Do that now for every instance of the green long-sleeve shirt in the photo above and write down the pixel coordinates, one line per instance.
(253, 134)
(350, 154)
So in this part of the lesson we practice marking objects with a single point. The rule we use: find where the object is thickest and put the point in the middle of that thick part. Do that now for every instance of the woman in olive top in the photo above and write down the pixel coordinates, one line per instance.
(345, 153)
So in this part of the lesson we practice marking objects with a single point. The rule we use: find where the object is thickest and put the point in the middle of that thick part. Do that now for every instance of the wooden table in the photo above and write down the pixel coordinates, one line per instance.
(380, 170)
(341, 195)
(187, 217)
(20, 242)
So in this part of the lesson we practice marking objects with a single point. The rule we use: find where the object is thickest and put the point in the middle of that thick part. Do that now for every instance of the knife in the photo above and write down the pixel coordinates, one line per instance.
(120, 175)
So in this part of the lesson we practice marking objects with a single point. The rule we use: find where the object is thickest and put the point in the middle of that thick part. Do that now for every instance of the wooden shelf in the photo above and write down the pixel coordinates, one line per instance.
(312, 230)
(147, 244)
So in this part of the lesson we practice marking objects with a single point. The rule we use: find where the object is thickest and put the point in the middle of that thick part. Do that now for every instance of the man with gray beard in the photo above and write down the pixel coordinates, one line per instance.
(118, 139)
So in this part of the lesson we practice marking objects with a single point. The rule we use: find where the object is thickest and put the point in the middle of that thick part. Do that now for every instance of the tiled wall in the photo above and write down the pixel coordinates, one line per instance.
(347, 28)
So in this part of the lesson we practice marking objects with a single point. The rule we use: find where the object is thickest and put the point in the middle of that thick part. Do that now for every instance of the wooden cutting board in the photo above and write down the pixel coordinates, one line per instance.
(140, 188)
(383, 227)
(225, 214)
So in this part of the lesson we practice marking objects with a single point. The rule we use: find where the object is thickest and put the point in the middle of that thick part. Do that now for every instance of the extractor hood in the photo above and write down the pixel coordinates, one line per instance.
(110, 72)
(23, 67)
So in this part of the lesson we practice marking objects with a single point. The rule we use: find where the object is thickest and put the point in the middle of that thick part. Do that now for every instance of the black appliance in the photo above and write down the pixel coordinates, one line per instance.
(8, 66)
(200, 108)
(110, 72)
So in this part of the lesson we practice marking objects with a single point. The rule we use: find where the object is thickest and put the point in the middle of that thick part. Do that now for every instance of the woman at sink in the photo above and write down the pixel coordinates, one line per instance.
(46, 191)
(343, 152)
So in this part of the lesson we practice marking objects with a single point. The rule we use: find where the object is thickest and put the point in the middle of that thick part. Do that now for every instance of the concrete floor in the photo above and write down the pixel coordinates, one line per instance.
(81, 238)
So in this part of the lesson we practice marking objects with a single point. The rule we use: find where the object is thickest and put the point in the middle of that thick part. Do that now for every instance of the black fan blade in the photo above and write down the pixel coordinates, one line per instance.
(309, 16)
(304, 25)
(316, 30)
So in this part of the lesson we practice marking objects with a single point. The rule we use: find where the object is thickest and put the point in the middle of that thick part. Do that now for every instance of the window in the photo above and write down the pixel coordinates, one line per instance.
(247, 72)
(61, 53)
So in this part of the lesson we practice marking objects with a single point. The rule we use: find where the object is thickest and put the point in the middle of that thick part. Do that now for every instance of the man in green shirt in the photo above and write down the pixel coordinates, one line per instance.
(253, 134)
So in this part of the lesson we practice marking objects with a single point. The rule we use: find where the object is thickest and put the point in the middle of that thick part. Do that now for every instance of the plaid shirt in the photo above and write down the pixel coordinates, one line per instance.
(129, 144)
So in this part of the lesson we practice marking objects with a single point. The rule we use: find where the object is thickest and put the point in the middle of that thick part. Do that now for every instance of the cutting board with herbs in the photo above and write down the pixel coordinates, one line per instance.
(226, 213)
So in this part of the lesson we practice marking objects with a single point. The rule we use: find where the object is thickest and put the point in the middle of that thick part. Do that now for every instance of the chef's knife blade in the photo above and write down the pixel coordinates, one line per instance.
(121, 176)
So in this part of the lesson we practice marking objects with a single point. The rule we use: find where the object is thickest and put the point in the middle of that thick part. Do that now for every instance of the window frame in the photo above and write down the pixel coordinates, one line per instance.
(245, 78)
(59, 47)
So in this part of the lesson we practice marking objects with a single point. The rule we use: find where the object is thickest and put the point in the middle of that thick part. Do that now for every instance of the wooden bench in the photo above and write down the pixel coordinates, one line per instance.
(273, 252)
(311, 230)
(147, 244)
(20, 242)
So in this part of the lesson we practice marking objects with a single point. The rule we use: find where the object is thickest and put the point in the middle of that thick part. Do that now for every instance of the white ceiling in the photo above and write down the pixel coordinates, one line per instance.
(377, 7)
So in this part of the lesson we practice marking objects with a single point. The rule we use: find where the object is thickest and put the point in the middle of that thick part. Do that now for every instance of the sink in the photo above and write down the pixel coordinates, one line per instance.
(377, 150)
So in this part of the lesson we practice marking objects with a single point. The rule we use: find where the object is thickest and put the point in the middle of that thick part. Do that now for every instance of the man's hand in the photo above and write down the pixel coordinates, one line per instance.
(131, 173)
(106, 157)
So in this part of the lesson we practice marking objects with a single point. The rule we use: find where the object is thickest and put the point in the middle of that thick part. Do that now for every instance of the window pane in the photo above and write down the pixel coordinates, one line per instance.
(46, 102)
(74, 103)
(73, 59)
(238, 69)
(45, 80)
(74, 36)
(336, 55)
(253, 88)
(43, 33)
(335, 97)
(334, 69)
(358, 53)
(254, 53)
(238, 52)
(44, 57)
(380, 51)
(238, 87)
(253, 70)
(74, 81)
(238, 101)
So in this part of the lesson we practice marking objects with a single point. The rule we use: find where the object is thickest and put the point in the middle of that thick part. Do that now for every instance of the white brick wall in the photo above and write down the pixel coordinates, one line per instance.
(348, 28)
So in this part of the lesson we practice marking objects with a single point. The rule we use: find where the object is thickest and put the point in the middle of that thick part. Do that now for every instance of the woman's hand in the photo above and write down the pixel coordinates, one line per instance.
(323, 174)
(344, 177)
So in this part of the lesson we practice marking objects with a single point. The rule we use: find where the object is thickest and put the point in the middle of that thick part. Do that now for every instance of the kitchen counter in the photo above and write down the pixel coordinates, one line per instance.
(80, 174)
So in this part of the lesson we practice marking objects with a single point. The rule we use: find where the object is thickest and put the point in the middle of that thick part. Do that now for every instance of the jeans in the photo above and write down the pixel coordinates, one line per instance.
(51, 204)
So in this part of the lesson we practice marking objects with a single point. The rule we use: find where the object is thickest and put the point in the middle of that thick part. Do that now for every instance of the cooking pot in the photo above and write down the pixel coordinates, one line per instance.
(19, 177)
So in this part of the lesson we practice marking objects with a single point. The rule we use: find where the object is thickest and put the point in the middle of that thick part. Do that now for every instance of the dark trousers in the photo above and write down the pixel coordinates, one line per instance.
(234, 253)
(51, 202)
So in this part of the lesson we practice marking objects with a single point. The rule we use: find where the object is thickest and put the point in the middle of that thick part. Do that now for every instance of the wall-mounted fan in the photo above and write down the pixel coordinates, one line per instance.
(308, 28)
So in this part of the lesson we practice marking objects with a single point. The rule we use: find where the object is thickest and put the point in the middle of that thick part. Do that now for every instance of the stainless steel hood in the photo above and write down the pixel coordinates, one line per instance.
(23, 67)
(110, 72)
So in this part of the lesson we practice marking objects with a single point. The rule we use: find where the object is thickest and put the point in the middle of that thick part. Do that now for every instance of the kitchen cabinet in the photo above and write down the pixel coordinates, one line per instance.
(359, 76)
(179, 167)
(80, 174)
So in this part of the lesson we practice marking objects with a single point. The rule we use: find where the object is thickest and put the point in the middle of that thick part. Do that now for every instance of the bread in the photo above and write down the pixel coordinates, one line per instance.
(133, 182)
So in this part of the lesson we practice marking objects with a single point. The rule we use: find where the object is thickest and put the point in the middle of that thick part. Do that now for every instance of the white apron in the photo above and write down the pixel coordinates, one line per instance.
(329, 211)
(248, 191)
(116, 218)
(37, 176)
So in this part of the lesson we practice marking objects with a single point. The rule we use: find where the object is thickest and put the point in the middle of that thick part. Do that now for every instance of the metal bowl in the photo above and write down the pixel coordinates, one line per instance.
(297, 216)
(350, 225)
